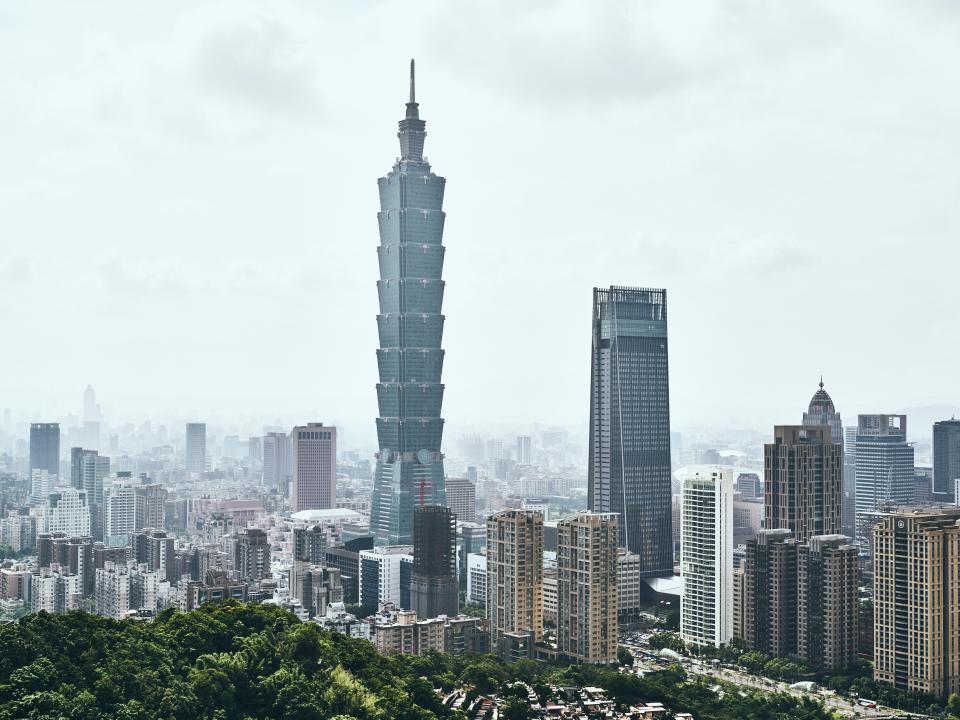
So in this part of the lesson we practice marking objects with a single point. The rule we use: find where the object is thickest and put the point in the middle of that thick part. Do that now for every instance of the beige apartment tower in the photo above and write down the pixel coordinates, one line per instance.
(514, 574)
(803, 481)
(916, 604)
(587, 608)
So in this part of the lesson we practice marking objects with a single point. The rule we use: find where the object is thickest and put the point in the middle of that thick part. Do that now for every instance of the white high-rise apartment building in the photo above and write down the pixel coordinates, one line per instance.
(706, 556)
(119, 513)
(524, 453)
(477, 578)
(278, 462)
(314, 467)
(113, 590)
(67, 511)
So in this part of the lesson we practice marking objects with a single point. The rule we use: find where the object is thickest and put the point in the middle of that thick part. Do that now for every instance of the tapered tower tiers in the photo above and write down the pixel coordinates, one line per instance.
(410, 359)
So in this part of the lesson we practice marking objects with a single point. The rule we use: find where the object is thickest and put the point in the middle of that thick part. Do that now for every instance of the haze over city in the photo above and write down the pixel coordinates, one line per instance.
(188, 205)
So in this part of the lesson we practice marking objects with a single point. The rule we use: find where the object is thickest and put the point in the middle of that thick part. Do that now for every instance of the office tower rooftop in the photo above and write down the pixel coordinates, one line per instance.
(629, 460)
(822, 412)
(884, 466)
(409, 468)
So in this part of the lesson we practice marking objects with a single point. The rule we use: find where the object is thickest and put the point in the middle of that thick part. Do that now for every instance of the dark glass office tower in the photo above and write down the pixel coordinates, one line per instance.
(409, 465)
(433, 585)
(629, 464)
(45, 448)
(946, 457)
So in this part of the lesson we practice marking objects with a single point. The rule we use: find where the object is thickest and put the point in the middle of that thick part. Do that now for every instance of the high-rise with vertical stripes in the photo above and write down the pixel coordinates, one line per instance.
(410, 324)
(629, 462)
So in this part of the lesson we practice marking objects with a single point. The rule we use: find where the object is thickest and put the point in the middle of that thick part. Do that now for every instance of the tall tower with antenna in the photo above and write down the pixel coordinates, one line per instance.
(410, 325)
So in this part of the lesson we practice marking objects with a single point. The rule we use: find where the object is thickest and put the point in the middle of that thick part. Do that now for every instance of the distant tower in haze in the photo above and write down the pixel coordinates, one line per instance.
(278, 462)
(524, 454)
(433, 586)
(629, 461)
(45, 448)
(409, 395)
(314, 467)
(91, 411)
(196, 453)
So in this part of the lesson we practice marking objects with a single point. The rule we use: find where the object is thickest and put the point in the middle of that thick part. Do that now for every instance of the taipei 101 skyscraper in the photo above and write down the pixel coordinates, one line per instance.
(410, 359)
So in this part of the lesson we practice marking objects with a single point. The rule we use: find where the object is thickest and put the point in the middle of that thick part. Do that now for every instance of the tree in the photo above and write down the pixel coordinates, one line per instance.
(515, 709)
(625, 657)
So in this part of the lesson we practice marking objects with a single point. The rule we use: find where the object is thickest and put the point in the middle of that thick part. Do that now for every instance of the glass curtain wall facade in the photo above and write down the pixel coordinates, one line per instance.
(629, 462)
(410, 324)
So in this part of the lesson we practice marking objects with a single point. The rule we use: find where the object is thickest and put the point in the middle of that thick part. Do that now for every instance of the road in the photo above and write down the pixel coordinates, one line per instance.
(842, 705)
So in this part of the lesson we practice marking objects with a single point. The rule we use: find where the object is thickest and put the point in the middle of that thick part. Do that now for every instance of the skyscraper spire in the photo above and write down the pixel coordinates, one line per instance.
(412, 129)
(413, 84)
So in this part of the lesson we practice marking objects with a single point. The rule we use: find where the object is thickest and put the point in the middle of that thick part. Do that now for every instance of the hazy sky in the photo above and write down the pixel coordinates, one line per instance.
(188, 201)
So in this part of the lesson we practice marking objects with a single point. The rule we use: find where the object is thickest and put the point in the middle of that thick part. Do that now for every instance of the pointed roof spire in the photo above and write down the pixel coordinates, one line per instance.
(413, 85)
(821, 382)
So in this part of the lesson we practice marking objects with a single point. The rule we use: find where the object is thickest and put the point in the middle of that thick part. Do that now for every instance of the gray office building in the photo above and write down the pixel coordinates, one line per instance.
(278, 462)
(884, 466)
(409, 468)
(45, 448)
(946, 457)
(196, 452)
(629, 461)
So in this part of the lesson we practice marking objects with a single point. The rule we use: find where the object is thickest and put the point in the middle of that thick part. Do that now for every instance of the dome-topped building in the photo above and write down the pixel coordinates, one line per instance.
(822, 412)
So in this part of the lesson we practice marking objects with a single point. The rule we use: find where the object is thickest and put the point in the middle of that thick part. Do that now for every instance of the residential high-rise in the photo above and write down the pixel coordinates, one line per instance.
(310, 545)
(514, 575)
(629, 461)
(916, 615)
(119, 514)
(524, 450)
(803, 481)
(770, 593)
(822, 412)
(45, 448)
(462, 499)
(278, 462)
(884, 466)
(946, 457)
(252, 555)
(587, 609)
(156, 550)
(151, 506)
(410, 324)
(706, 556)
(67, 512)
(828, 578)
(196, 449)
(433, 587)
(314, 467)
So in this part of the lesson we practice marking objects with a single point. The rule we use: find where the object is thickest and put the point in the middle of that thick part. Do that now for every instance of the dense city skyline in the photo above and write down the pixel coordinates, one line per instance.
(712, 533)
(687, 109)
